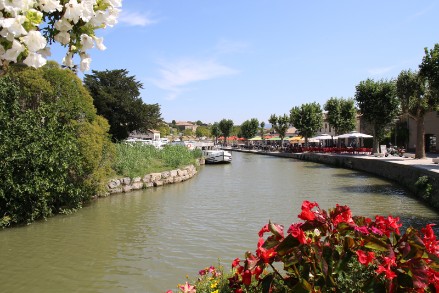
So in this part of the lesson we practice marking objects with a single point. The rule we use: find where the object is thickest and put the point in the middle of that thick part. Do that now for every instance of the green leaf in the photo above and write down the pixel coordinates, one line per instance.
(287, 245)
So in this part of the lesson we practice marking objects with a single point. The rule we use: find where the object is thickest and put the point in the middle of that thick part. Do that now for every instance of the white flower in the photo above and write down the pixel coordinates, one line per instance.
(14, 25)
(86, 42)
(50, 5)
(12, 53)
(99, 43)
(45, 52)
(73, 11)
(63, 25)
(16, 6)
(85, 62)
(62, 38)
(87, 10)
(115, 3)
(68, 60)
(34, 41)
(35, 60)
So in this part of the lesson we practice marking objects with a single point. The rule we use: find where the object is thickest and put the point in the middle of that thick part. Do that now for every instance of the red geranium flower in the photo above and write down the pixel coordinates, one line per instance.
(365, 257)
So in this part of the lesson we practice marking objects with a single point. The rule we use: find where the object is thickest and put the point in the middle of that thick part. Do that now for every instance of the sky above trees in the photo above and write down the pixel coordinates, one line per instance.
(204, 60)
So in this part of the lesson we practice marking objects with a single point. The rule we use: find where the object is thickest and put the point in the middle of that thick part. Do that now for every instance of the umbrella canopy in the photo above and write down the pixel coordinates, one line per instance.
(296, 139)
(274, 138)
(355, 134)
(324, 136)
(256, 138)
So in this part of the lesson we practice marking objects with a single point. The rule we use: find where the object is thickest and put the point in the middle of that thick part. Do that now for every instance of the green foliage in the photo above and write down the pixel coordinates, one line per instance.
(56, 150)
(307, 119)
(136, 160)
(249, 128)
(202, 131)
(116, 96)
(424, 187)
(341, 114)
(429, 70)
(378, 104)
(225, 126)
(40, 166)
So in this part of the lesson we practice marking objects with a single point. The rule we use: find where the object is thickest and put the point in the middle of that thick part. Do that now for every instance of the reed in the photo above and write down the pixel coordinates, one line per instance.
(133, 160)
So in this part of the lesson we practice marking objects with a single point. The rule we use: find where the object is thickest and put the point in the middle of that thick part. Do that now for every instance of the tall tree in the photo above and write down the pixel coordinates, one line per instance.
(249, 128)
(116, 96)
(341, 114)
(416, 101)
(215, 131)
(307, 119)
(225, 126)
(280, 125)
(378, 104)
(262, 130)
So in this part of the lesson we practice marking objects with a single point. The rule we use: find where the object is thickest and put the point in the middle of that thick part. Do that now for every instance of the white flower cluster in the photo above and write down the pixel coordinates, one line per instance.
(28, 26)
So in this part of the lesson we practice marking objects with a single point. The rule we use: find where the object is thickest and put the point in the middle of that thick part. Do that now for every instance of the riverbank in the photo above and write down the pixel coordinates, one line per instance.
(419, 176)
(127, 184)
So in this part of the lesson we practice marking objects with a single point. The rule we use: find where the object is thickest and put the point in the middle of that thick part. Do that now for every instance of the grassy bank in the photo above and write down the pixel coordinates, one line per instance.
(138, 160)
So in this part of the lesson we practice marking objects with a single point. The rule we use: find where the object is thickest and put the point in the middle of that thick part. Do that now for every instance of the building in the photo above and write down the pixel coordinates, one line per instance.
(431, 123)
(150, 134)
(183, 125)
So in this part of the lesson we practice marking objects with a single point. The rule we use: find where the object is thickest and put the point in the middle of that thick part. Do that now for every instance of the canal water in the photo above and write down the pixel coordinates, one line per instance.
(148, 241)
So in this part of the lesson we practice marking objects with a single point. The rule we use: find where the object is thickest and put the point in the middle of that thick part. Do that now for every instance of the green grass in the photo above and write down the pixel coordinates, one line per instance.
(138, 160)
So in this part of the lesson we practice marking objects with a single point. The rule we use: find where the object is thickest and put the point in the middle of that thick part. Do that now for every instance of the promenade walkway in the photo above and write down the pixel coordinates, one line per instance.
(426, 164)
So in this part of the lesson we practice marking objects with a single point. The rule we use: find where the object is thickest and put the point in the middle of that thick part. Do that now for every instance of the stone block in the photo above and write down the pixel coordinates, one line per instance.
(126, 188)
(166, 174)
(136, 179)
(158, 183)
(126, 181)
(173, 173)
(137, 185)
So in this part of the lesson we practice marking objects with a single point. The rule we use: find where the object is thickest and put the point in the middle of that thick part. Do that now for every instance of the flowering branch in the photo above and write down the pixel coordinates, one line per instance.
(28, 27)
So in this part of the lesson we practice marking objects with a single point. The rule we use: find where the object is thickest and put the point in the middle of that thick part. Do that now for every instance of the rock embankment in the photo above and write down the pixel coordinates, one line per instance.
(127, 184)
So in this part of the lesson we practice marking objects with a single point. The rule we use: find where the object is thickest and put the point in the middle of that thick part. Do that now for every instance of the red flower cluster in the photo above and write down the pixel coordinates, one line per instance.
(318, 246)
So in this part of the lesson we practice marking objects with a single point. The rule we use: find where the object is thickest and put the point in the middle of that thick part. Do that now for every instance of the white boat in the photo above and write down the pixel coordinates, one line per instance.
(217, 156)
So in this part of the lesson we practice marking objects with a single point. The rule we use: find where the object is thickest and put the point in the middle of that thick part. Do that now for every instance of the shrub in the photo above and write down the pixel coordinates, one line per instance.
(333, 251)
(55, 151)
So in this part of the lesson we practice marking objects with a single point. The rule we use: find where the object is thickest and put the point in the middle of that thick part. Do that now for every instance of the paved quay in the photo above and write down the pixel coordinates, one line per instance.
(425, 164)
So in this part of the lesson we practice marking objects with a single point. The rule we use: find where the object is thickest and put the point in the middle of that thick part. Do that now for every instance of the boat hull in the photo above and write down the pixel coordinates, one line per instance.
(217, 157)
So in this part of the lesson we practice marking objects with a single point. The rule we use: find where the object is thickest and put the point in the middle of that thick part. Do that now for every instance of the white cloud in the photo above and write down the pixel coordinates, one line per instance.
(136, 19)
(176, 76)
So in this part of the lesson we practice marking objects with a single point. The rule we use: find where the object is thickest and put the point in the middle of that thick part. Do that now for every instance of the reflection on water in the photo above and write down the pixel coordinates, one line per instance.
(148, 241)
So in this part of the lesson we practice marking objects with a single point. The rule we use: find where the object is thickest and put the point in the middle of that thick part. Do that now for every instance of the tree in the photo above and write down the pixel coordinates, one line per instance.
(30, 26)
(116, 97)
(262, 130)
(56, 153)
(249, 128)
(202, 131)
(307, 119)
(225, 126)
(164, 129)
(280, 125)
(215, 131)
(429, 70)
(341, 114)
(378, 104)
(416, 101)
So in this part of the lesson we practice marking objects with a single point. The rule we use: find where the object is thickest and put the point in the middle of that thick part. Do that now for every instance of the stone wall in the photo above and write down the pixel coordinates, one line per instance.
(151, 180)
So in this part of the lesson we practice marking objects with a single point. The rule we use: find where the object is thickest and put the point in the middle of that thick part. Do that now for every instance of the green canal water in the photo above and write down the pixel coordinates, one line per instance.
(148, 241)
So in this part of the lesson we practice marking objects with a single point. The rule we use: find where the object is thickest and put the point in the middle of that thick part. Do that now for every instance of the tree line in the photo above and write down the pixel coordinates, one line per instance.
(380, 102)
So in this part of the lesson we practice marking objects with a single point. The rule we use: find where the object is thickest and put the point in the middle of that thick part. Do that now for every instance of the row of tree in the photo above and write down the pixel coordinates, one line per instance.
(412, 93)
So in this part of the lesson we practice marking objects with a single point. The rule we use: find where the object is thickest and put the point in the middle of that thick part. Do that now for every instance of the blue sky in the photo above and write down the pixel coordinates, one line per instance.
(241, 59)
